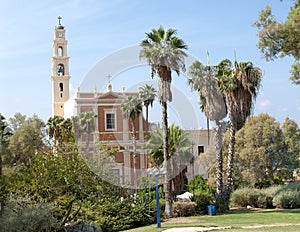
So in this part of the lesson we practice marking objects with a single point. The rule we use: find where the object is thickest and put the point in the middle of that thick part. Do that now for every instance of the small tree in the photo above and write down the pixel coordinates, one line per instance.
(147, 94)
(132, 108)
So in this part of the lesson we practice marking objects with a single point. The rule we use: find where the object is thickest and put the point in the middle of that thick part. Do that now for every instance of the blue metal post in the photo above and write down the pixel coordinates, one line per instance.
(157, 202)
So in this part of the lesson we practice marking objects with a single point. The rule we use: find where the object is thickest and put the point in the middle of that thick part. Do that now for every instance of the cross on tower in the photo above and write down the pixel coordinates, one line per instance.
(59, 18)
(109, 77)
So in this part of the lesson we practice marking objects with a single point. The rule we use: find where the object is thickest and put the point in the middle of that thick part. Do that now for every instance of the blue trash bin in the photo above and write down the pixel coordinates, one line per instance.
(211, 210)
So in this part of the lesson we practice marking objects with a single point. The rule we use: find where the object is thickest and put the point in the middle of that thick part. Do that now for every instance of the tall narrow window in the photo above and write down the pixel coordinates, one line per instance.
(60, 70)
(60, 51)
(200, 150)
(61, 87)
(110, 123)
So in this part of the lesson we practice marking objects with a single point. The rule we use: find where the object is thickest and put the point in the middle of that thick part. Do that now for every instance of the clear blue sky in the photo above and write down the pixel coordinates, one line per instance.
(97, 28)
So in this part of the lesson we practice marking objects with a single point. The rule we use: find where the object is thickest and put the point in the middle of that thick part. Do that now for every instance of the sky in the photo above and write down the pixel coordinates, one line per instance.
(97, 29)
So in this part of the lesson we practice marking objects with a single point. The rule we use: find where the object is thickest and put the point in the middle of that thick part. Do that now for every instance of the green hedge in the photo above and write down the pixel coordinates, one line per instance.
(285, 196)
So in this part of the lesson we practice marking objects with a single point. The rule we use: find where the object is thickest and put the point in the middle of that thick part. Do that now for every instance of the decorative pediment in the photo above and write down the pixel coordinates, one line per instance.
(110, 95)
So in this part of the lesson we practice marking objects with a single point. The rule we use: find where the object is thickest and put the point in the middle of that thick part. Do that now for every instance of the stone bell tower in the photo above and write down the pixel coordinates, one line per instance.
(60, 70)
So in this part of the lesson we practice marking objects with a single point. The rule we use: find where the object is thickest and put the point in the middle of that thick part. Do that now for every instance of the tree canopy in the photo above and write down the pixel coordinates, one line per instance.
(266, 150)
(280, 39)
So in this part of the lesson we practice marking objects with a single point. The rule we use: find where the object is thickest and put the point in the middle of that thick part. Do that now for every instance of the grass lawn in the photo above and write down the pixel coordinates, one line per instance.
(237, 220)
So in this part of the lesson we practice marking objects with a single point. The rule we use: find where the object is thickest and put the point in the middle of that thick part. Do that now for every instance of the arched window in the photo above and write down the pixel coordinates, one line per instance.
(60, 51)
(61, 87)
(60, 70)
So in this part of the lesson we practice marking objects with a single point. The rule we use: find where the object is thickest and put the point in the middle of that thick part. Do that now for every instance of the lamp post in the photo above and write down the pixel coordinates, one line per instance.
(157, 172)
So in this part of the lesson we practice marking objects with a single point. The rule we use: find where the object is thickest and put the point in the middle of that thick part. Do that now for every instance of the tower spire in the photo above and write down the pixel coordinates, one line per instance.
(60, 70)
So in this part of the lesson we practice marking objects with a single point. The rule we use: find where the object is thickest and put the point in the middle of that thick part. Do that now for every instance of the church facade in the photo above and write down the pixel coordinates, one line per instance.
(111, 128)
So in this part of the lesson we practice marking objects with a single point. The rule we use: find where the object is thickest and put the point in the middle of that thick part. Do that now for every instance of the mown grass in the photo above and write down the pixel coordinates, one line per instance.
(237, 220)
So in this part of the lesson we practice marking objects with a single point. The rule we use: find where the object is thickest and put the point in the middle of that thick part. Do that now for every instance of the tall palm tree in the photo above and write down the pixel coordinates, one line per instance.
(87, 125)
(164, 52)
(240, 83)
(214, 106)
(147, 94)
(131, 108)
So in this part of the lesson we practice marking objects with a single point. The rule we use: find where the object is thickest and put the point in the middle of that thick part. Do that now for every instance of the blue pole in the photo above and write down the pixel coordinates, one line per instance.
(157, 202)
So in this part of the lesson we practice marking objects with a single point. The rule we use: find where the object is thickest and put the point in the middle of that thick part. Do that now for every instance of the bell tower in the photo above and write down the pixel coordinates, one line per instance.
(60, 70)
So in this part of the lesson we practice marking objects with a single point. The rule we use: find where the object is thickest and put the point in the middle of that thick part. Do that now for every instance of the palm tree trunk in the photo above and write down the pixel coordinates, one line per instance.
(134, 155)
(147, 123)
(219, 167)
(229, 172)
(167, 182)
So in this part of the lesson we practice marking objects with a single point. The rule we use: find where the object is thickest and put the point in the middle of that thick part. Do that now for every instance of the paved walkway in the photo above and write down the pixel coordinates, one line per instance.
(195, 229)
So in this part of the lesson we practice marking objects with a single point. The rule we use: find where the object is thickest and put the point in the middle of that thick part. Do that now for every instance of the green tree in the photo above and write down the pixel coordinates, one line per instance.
(260, 151)
(16, 121)
(27, 140)
(240, 84)
(164, 52)
(291, 134)
(4, 135)
(131, 108)
(84, 123)
(60, 130)
(213, 104)
(180, 151)
(280, 39)
(147, 94)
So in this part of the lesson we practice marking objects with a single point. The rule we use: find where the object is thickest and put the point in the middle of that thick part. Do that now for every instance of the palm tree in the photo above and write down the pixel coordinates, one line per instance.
(214, 106)
(87, 125)
(60, 130)
(54, 129)
(147, 94)
(240, 83)
(164, 52)
(180, 151)
(131, 108)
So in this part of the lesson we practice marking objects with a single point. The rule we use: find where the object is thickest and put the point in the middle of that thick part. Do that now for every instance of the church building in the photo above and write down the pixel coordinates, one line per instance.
(111, 127)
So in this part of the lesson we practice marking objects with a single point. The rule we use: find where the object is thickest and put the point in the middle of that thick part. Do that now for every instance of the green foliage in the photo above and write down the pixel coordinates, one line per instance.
(284, 196)
(266, 153)
(202, 200)
(280, 39)
(26, 141)
(251, 197)
(3, 191)
(267, 183)
(116, 214)
(179, 145)
(203, 194)
(184, 209)
(78, 195)
(288, 196)
(23, 214)
(199, 185)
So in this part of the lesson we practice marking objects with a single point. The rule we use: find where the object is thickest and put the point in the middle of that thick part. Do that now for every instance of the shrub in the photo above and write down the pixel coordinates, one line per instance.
(288, 199)
(247, 196)
(183, 209)
(288, 196)
(202, 200)
(199, 185)
(22, 214)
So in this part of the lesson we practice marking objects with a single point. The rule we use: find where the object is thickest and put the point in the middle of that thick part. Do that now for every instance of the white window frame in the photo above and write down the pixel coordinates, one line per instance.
(114, 112)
